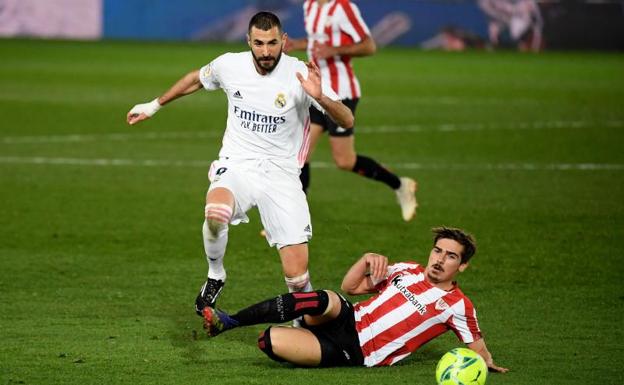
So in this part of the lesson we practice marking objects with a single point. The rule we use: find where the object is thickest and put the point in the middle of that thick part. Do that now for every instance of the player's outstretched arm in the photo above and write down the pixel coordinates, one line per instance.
(366, 47)
(295, 44)
(337, 111)
(479, 347)
(187, 85)
(365, 274)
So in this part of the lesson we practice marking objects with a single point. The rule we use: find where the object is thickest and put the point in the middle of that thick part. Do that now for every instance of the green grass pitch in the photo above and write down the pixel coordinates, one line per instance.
(100, 243)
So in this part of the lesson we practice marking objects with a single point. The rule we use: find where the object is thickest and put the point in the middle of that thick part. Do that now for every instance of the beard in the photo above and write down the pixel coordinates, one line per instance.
(432, 277)
(267, 63)
(433, 273)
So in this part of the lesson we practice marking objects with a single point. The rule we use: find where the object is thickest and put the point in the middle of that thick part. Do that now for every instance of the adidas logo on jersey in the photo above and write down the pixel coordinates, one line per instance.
(307, 229)
(237, 95)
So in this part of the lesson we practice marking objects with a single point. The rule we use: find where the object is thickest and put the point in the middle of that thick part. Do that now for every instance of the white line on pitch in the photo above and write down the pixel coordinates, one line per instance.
(111, 137)
(327, 165)
(382, 129)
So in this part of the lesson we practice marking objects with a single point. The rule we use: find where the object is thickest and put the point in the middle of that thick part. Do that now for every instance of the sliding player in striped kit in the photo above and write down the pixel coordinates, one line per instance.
(337, 33)
(413, 304)
(264, 146)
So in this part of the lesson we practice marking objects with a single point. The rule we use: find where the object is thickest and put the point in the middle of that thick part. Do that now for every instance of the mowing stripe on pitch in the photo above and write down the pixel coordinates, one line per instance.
(326, 165)
(382, 129)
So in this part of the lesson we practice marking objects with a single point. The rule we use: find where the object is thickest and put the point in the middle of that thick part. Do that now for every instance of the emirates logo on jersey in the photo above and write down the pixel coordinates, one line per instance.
(280, 100)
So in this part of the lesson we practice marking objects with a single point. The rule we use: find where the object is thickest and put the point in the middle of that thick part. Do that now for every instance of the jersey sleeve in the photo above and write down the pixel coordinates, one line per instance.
(464, 322)
(400, 266)
(208, 75)
(352, 23)
(393, 269)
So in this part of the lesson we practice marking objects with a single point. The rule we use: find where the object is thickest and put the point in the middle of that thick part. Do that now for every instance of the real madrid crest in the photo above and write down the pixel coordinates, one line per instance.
(280, 100)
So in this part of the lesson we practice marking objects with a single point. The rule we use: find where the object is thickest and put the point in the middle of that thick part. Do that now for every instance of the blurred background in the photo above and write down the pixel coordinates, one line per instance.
(430, 24)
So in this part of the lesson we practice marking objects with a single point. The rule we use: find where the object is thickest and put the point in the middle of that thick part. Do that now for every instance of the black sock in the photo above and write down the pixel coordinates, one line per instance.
(305, 177)
(285, 307)
(369, 168)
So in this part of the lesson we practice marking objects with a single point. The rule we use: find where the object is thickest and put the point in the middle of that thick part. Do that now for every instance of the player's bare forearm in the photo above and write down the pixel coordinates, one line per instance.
(355, 277)
(359, 278)
(187, 85)
(480, 347)
(295, 45)
(365, 47)
(337, 111)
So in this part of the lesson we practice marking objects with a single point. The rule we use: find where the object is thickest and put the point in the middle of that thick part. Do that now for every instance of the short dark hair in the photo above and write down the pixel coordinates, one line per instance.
(265, 21)
(459, 236)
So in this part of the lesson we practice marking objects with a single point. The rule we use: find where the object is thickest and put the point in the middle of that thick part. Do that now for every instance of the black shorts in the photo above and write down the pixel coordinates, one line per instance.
(340, 344)
(325, 121)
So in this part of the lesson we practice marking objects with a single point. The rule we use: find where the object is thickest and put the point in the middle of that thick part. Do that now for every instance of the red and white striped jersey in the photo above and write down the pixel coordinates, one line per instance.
(336, 23)
(408, 312)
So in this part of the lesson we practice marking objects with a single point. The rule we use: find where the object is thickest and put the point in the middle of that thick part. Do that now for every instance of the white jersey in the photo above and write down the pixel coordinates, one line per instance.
(268, 115)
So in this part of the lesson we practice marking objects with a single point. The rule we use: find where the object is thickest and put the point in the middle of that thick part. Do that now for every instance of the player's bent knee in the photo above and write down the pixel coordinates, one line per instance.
(327, 308)
(345, 163)
(218, 215)
(266, 345)
(333, 304)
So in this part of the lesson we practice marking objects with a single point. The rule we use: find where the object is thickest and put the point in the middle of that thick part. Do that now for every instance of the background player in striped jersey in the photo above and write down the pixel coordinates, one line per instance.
(264, 146)
(412, 305)
(336, 33)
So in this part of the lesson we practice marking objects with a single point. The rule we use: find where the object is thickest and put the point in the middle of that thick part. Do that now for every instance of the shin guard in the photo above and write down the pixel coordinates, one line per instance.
(283, 308)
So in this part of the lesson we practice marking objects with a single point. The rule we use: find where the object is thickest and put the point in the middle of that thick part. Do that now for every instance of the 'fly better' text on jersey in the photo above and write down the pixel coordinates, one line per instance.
(254, 121)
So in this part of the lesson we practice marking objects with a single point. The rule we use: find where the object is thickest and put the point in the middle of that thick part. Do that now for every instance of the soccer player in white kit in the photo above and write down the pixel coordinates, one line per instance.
(264, 146)
(412, 305)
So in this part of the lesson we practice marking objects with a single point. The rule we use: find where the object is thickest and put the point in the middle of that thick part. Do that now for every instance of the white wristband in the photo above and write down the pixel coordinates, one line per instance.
(148, 109)
(155, 106)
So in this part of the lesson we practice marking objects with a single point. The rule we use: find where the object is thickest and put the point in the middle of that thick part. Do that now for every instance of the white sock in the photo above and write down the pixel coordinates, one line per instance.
(215, 250)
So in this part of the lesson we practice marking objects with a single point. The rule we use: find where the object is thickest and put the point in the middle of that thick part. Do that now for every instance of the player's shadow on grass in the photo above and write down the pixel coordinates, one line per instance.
(187, 333)
(428, 354)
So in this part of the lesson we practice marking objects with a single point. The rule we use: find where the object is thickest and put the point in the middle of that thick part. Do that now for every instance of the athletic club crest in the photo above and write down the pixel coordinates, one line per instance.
(441, 305)
(280, 100)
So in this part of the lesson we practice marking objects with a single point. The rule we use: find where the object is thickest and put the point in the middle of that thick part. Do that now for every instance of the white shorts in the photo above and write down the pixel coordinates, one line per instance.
(277, 193)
